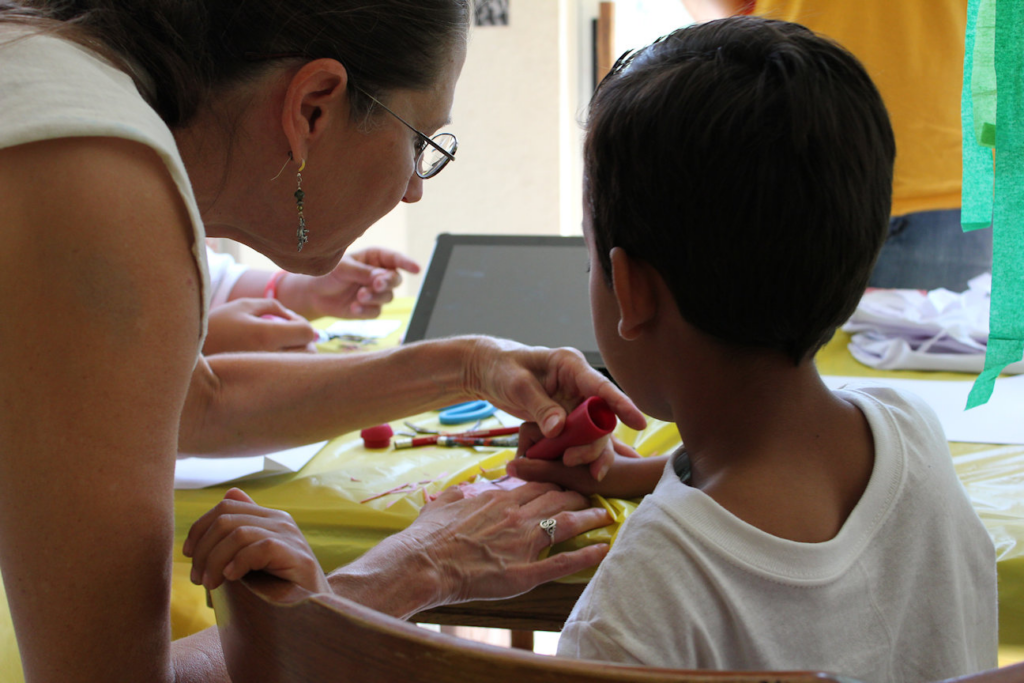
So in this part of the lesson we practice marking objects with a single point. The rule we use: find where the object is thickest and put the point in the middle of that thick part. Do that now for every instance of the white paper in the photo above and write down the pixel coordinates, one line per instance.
(1000, 421)
(197, 473)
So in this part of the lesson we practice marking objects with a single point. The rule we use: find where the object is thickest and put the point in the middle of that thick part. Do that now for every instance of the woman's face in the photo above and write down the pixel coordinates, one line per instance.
(356, 174)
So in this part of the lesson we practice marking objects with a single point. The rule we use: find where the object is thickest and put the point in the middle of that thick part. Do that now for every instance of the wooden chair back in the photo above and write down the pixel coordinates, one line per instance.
(1007, 674)
(273, 631)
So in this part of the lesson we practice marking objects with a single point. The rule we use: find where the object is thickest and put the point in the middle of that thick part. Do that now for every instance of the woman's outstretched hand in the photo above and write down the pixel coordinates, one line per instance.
(539, 384)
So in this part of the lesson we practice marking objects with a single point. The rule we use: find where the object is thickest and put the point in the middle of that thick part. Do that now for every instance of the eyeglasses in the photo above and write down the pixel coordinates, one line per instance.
(434, 152)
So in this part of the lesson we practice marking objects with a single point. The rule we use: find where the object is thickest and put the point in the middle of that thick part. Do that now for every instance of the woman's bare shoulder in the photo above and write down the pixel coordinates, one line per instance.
(101, 220)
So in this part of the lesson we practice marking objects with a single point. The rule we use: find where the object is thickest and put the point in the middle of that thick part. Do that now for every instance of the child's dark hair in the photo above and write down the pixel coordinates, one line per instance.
(750, 162)
(181, 52)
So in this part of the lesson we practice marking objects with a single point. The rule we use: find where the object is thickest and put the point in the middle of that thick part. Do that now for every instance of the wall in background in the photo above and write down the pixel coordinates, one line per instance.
(639, 22)
(506, 178)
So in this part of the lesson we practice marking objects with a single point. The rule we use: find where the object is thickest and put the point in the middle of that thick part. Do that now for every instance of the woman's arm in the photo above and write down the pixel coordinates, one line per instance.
(257, 402)
(101, 314)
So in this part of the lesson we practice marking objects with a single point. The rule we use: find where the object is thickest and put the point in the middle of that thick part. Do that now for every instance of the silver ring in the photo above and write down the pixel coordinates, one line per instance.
(549, 525)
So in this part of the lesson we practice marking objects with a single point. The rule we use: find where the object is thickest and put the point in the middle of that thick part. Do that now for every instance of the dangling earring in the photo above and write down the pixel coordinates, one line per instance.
(301, 233)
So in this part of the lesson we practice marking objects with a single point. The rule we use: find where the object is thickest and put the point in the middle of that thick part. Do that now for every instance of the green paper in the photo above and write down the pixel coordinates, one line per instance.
(983, 73)
(988, 135)
(1006, 318)
(1000, 353)
(976, 191)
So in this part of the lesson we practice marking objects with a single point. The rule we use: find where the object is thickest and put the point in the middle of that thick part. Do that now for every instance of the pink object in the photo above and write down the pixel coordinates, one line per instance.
(505, 483)
(271, 316)
(377, 437)
(270, 291)
(591, 420)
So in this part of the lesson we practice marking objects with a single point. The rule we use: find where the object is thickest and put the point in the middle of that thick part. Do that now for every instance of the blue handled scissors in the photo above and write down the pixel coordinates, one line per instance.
(470, 411)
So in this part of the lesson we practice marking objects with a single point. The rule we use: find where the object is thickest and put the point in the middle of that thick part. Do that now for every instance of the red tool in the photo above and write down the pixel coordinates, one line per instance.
(591, 420)
(432, 439)
(491, 441)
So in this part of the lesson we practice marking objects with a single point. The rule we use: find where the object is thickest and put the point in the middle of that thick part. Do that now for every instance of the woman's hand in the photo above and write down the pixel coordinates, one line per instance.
(237, 537)
(240, 325)
(540, 385)
(487, 546)
(479, 548)
(357, 288)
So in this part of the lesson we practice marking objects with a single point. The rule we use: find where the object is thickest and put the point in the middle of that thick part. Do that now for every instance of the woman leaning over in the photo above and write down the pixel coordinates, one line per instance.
(124, 128)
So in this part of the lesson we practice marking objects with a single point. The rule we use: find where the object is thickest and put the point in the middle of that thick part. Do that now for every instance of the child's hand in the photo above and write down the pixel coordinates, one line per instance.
(597, 455)
(627, 476)
(361, 283)
(257, 325)
(238, 536)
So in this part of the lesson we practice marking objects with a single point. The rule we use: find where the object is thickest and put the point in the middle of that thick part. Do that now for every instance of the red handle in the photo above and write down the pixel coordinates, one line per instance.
(591, 420)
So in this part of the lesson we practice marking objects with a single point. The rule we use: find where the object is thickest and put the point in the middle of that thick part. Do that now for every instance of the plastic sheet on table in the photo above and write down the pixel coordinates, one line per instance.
(994, 480)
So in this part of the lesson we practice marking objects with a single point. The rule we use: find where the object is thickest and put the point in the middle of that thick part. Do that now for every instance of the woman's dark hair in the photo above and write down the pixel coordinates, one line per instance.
(750, 162)
(181, 51)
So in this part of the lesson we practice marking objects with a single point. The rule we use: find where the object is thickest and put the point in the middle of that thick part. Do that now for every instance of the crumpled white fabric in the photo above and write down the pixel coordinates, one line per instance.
(909, 329)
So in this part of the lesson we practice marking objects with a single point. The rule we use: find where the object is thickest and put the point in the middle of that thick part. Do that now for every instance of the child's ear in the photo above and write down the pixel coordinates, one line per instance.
(634, 292)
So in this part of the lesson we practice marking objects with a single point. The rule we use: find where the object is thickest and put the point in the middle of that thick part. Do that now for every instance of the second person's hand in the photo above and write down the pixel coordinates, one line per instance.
(364, 281)
(257, 325)
(238, 536)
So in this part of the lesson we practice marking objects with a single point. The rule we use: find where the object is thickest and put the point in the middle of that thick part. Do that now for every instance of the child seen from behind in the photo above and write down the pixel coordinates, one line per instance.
(738, 185)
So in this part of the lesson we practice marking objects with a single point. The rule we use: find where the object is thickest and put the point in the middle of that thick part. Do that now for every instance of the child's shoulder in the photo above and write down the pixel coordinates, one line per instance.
(909, 442)
(903, 410)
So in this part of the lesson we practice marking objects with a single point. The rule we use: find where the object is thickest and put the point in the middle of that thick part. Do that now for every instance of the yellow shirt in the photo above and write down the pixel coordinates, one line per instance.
(914, 52)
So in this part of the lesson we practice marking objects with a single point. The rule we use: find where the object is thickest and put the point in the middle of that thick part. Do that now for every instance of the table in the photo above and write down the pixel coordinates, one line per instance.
(325, 500)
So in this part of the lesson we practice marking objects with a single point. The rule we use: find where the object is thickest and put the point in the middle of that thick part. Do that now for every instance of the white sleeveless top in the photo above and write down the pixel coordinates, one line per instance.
(51, 88)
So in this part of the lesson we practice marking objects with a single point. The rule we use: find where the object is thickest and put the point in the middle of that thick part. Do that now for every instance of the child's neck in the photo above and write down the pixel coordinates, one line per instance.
(771, 444)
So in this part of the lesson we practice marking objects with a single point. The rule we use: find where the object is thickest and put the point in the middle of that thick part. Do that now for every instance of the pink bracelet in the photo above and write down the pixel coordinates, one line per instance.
(270, 291)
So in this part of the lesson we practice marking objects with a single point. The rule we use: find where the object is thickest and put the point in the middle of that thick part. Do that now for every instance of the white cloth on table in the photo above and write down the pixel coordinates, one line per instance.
(909, 329)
